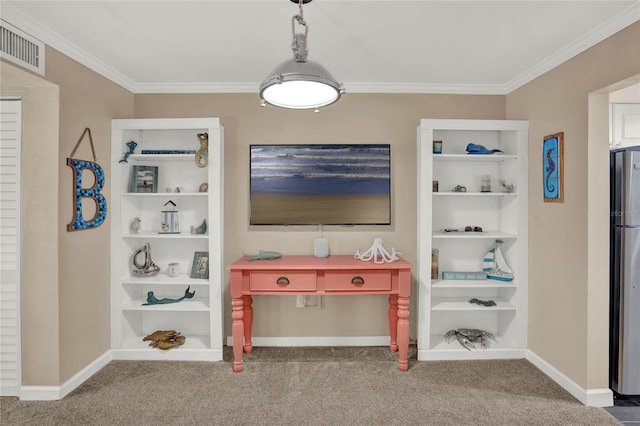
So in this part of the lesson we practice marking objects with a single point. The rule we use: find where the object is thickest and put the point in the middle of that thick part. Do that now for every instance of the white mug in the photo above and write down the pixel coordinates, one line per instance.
(174, 269)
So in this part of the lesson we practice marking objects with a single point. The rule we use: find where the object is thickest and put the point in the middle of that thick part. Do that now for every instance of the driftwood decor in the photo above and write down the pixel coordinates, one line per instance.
(78, 222)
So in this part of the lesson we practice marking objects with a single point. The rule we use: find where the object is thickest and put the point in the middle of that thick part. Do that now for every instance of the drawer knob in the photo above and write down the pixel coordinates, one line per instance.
(357, 280)
(283, 280)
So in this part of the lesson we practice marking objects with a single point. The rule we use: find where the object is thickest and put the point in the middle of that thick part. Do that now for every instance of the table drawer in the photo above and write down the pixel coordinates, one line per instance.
(282, 280)
(357, 280)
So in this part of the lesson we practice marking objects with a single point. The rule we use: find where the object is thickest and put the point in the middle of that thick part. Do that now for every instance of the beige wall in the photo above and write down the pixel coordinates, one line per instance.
(86, 100)
(568, 243)
(356, 118)
(39, 252)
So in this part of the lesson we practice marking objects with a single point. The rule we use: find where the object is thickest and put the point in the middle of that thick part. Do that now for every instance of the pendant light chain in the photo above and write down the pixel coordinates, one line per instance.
(299, 41)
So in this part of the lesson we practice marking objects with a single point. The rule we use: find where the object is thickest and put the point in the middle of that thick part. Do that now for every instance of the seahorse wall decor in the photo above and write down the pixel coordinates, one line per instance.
(553, 169)
(550, 168)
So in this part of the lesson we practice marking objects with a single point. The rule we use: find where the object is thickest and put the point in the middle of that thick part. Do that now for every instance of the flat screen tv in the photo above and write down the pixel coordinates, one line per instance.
(320, 184)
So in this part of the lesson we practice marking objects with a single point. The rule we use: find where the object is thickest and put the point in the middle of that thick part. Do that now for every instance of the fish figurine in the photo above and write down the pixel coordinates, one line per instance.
(264, 255)
(473, 148)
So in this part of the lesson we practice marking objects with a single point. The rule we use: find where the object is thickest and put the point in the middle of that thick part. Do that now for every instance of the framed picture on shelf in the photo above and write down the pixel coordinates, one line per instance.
(144, 179)
(200, 268)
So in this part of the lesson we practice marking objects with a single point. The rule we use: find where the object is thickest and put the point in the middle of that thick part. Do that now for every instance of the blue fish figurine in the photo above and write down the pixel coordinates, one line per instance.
(264, 255)
(473, 148)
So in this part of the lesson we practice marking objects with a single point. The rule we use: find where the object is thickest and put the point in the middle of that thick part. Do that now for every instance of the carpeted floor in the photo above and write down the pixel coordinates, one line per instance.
(317, 386)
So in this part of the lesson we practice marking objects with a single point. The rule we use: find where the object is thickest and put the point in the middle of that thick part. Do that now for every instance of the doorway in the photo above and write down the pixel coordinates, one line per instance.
(624, 121)
(599, 140)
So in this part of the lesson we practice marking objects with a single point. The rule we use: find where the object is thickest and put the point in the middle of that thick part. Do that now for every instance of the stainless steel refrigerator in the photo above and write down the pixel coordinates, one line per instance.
(625, 272)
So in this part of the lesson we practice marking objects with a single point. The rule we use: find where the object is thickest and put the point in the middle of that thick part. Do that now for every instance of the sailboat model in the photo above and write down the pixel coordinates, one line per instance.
(495, 266)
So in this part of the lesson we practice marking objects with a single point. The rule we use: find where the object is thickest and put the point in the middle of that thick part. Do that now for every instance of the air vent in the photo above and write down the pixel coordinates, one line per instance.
(21, 48)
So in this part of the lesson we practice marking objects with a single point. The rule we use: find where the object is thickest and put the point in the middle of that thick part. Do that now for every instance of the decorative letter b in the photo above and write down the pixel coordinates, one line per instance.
(77, 222)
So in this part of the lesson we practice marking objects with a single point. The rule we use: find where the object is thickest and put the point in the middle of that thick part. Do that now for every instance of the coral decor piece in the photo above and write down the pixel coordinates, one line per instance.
(165, 339)
(378, 253)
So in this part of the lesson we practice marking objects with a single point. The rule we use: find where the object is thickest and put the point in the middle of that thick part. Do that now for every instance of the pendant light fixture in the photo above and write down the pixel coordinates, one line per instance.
(299, 83)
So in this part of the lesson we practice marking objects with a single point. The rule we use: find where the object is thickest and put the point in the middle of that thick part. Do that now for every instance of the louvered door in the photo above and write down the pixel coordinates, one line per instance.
(10, 246)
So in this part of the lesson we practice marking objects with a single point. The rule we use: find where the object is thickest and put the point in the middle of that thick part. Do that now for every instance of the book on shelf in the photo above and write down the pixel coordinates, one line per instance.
(455, 275)
(167, 151)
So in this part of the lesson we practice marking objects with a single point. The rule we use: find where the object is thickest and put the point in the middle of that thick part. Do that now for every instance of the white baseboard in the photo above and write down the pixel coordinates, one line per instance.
(458, 355)
(52, 393)
(302, 341)
(158, 355)
(590, 397)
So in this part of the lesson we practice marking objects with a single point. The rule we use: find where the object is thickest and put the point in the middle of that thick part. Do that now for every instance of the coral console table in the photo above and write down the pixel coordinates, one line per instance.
(333, 275)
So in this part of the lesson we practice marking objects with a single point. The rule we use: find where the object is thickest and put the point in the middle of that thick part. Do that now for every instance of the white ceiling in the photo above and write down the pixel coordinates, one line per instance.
(482, 47)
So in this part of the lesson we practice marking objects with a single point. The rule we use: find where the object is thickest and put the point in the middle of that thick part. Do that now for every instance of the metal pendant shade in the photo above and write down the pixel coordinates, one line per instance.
(299, 83)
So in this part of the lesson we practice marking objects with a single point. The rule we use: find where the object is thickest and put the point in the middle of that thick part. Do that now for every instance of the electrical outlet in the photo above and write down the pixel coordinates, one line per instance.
(309, 301)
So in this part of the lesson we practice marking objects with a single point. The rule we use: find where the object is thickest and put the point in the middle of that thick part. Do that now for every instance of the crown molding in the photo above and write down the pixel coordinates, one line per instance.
(622, 20)
(421, 88)
(354, 87)
(196, 88)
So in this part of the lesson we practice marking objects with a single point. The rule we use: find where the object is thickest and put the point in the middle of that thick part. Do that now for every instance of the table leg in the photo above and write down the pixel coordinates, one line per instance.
(403, 333)
(237, 331)
(393, 322)
(248, 323)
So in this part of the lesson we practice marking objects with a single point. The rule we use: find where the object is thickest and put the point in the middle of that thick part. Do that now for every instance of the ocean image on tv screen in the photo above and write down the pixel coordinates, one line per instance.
(320, 184)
